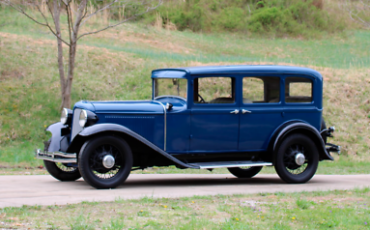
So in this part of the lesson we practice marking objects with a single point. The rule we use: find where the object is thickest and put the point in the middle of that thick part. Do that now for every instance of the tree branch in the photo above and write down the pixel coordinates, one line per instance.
(121, 22)
(69, 19)
(97, 11)
(46, 24)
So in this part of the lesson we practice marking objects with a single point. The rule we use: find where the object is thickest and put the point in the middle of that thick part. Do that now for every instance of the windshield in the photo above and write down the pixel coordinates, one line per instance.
(170, 87)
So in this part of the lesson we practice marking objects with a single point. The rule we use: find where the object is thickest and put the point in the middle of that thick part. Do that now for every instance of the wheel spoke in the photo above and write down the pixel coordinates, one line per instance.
(96, 161)
(66, 168)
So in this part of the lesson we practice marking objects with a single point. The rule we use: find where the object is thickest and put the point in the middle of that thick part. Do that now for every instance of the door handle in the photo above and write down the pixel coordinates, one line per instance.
(246, 111)
(235, 111)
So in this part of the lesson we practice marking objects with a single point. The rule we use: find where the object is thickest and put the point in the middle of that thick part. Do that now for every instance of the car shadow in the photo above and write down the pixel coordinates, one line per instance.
(198, 182)
(201, 182)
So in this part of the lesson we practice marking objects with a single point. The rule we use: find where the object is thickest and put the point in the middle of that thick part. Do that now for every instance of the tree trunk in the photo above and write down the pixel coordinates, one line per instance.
(72, 52)
(71, 67)
(56, 18)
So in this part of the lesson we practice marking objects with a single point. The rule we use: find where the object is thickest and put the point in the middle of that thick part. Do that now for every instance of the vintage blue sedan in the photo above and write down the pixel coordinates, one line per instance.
(236, 117)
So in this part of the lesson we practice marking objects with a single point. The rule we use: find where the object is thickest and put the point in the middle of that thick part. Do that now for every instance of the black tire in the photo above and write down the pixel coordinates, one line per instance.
(245, 173)
(90, 161)
(284, 162)
(62, 172)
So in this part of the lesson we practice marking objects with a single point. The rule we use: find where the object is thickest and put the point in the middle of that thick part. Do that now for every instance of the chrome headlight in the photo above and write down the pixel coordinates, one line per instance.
(64, 116)
(83, 118)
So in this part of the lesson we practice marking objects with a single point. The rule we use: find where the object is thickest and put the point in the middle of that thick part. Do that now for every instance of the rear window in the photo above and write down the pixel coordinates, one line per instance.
(298, 90)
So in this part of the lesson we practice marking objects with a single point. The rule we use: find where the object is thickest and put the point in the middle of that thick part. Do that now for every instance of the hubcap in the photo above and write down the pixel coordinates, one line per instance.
(108, 161)
(300, 159)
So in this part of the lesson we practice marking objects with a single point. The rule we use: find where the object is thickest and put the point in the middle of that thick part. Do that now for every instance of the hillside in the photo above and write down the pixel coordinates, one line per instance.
(116, 65)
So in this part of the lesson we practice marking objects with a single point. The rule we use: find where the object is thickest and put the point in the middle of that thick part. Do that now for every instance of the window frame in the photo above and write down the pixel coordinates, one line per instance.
(313, 85)
(234, 82)
(259, 76)
(154, 88)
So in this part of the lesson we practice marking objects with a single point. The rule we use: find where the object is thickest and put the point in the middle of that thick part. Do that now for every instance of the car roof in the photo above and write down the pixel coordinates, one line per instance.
(234, 69)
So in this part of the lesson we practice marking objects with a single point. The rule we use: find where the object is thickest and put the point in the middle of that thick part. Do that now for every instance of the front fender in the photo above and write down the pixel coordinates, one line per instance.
(307, 129)
(56, 138)
(114, 128)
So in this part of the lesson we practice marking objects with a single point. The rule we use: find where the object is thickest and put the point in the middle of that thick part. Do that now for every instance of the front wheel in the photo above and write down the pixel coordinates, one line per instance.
(62, 172)
(245, 172)
(105, 162)
(297, 159)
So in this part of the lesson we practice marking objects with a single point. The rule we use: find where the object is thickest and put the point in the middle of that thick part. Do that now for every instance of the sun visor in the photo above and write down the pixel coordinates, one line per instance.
(169, 74)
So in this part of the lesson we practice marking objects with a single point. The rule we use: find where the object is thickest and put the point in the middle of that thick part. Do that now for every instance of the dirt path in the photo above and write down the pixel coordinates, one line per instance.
(45, 190)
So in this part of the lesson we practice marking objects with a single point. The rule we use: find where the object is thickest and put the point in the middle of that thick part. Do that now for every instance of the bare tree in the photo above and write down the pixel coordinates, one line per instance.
(77, 15)
(359, 11)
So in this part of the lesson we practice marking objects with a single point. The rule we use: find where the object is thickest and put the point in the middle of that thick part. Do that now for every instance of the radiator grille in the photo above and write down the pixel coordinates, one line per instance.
(76, 128)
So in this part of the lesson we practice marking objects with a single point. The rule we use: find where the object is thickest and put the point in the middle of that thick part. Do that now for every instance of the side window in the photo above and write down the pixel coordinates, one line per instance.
(214, 90)
(298, 90)
(261, 90)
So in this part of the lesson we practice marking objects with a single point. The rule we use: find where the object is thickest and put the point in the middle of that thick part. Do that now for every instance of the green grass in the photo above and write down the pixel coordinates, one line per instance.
(116, 65)
(306, 210)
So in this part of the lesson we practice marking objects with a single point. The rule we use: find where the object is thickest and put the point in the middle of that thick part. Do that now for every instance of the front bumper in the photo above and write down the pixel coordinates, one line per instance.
(56, 156)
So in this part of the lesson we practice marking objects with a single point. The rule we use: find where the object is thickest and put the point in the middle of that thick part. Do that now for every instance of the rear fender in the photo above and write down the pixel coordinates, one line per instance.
(300, 127)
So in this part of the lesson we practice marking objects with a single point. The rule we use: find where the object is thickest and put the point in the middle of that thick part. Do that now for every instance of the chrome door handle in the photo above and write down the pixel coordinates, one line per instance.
(246, 111)
(235, 111)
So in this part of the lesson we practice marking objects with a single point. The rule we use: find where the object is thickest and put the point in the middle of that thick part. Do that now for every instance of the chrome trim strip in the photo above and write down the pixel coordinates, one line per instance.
(233, 165)
(165, 123)
(76, 128)
(56, 156)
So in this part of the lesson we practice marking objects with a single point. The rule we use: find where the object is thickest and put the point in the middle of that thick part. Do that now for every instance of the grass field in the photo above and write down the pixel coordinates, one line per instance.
(307, 210)
(116, 65)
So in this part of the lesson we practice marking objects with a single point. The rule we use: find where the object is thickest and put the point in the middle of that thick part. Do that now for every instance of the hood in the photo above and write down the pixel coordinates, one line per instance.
(143, 107)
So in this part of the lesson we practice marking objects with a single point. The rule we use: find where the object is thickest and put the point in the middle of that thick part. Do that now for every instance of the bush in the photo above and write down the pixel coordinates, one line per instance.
(278, 17)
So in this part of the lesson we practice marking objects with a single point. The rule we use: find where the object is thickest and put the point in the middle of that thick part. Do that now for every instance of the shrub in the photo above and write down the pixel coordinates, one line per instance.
(279, 17)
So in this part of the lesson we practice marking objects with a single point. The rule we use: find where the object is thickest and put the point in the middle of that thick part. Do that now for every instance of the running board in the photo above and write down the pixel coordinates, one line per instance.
(230, 164)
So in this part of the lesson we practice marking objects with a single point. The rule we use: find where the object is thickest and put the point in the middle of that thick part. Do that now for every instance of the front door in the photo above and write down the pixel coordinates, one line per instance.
(261, 112)
(214, 115)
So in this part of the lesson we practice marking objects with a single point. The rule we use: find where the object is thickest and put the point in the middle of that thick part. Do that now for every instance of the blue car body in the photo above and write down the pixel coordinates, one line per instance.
(192, 128)
(183, 131)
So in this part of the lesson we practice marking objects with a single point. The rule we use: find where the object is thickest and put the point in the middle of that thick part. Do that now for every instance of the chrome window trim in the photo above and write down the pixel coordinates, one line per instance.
(165, 123)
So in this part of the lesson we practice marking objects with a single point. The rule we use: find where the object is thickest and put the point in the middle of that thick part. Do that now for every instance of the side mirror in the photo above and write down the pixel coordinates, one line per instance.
(169, 106)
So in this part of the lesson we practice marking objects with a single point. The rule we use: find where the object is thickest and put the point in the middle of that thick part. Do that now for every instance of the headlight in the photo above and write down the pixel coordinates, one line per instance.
(64, 116)
(83, 118)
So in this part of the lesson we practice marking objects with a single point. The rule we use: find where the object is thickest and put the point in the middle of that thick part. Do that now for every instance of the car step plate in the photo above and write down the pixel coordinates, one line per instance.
(230, 164)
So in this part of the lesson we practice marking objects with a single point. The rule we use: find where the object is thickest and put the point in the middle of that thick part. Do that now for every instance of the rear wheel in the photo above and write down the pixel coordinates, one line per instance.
(245, 172)
(62, 172)
(297, 159)
(105, 162)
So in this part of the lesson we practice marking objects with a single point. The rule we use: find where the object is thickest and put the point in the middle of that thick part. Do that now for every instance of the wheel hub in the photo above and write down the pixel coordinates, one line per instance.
(108, 161)
(299, 159)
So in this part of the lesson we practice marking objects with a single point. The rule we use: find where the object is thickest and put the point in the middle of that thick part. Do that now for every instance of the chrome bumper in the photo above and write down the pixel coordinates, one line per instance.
(56, 156)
